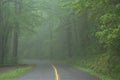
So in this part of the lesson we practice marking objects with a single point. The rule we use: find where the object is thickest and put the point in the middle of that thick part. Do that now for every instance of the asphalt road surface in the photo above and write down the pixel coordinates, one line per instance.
(55, 71)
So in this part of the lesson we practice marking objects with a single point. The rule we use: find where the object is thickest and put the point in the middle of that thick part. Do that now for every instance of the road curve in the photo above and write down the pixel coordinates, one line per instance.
(69, 73)
(48, 71)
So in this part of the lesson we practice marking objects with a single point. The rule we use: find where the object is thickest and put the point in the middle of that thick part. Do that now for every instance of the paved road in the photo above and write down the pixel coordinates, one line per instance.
(46, 71)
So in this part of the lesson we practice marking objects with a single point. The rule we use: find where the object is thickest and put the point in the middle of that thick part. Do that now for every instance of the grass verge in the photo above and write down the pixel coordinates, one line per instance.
(87, 68)
(14, 73)
(92, 72)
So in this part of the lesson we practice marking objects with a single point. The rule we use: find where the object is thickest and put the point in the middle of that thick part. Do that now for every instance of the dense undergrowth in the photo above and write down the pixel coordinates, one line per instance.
(99, 42)
(101, 65)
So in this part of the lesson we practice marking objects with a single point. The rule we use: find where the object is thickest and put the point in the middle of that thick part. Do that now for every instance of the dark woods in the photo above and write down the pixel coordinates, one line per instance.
(9, 30)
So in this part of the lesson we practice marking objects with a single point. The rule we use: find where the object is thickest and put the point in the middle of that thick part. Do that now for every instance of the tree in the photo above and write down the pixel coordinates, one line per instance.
(12, 23)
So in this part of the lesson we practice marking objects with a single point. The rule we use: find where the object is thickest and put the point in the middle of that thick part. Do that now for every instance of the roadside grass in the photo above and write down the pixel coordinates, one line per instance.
(92, 72)
(94, 66)
(14, 73)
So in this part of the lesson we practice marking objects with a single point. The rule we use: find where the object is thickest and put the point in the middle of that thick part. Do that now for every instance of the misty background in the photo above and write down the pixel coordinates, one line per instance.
(85, 33)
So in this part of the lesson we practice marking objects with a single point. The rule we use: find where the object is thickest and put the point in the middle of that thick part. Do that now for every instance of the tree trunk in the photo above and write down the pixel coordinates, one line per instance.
(69, 39)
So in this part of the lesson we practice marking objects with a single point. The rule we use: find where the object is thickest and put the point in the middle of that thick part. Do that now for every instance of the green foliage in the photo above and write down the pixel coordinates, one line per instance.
(85, 30)
(103, 19)
(14, 73)
(17, 18)
(98, 65)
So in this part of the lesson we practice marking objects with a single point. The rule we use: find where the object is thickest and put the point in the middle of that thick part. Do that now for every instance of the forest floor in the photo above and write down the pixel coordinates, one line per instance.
(8, 72)
(4, 69)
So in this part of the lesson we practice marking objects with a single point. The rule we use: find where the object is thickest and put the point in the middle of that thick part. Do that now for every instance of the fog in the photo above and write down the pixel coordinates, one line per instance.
(83, 33)
(49, 39)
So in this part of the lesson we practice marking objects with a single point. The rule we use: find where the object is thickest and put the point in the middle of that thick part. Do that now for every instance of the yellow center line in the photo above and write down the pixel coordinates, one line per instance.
(56, 73)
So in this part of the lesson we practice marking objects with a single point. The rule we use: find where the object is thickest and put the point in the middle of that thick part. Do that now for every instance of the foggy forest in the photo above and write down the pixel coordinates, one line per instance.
(59, 39)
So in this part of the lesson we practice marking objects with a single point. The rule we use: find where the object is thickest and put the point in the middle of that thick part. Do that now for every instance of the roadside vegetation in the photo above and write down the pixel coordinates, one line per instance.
(93, 66)
(98, 47)
(85, 32)
(7, 75)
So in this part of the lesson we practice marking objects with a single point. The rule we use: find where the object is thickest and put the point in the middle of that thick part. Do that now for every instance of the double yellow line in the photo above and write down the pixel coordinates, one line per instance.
(56, 73)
